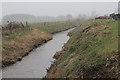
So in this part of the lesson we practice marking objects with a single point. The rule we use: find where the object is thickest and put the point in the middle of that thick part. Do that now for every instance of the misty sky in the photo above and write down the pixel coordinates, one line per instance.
(58, 8)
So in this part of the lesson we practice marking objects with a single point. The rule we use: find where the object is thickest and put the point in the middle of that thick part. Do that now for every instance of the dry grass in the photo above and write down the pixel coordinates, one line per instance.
(21, 45)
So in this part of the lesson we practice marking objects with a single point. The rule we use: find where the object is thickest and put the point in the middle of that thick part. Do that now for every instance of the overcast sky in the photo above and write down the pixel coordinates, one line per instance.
(58, 8)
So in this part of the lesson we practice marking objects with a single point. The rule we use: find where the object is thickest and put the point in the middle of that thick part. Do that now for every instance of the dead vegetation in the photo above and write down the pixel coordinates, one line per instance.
(13, 50)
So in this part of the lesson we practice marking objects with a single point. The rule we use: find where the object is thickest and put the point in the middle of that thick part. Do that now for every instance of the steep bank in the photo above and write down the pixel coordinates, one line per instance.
(13, 50)
(91, 52)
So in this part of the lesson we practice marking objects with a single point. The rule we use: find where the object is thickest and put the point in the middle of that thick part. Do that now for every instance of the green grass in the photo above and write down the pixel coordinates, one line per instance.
(12, 36)
(59, 27)
(39, 24)
(92, 51)
(50, 27)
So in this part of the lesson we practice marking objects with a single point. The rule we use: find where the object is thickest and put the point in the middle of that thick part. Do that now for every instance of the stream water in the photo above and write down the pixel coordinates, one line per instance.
(35, 64)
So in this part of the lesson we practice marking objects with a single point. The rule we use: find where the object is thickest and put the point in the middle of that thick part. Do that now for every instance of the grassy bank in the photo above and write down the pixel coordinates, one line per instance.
(16, 48)
(91, 52)
(21, 42)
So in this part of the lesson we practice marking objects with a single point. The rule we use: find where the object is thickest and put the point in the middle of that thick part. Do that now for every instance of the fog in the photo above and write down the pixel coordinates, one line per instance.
(58, 8)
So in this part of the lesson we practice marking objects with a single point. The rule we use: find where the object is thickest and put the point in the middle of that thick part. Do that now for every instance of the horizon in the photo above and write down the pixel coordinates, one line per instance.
(54, 9)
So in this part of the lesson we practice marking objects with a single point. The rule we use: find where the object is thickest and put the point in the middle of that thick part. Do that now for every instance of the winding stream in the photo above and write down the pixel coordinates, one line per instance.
(35, 64)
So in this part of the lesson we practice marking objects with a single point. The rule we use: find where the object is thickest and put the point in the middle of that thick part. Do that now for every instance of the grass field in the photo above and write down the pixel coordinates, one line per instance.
(50, 27)
(60, 26)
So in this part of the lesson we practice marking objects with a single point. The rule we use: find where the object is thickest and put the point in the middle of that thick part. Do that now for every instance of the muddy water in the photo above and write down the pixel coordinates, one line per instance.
(35, 64)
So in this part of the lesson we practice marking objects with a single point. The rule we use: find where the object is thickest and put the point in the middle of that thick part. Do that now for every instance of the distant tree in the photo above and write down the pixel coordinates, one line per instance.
(79, 16)
(69, 17)
(82, 16)
(93, 14)
(61, 17)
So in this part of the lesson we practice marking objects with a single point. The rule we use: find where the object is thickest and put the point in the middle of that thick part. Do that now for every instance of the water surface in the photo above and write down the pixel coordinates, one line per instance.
(35, 64)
